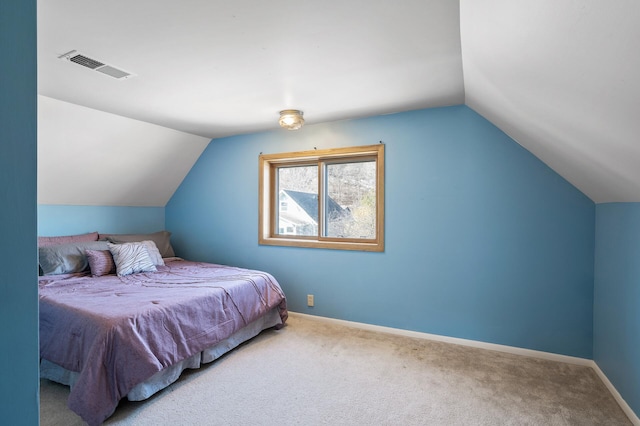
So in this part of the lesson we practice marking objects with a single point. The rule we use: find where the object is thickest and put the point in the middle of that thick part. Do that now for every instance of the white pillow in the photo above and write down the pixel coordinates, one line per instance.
(154, 253)
(131, 258)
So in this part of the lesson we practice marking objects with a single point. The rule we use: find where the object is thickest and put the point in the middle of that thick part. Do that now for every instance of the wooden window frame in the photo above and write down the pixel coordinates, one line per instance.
(268, 199)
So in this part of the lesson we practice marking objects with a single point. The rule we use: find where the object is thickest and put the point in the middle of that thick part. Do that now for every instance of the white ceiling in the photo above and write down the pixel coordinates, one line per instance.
(88, 157)
(559, 76)
(218, 68)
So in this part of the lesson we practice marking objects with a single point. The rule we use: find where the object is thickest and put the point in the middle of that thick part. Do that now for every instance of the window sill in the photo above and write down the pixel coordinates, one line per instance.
(332, 245)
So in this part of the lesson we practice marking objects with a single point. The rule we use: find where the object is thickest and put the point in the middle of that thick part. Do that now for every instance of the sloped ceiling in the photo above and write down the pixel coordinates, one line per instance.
(557, 76)
(89, 157)
(561, 78)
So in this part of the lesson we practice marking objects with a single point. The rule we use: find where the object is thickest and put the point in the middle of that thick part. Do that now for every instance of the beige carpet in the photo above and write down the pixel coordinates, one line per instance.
(317, 373)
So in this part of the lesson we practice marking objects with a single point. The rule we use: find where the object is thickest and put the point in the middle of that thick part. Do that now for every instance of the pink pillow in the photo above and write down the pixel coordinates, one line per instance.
(81, 238)
(100, 262)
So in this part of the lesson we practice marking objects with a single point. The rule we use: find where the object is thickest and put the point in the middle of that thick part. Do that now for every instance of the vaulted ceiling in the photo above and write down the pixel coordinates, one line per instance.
(559, 76)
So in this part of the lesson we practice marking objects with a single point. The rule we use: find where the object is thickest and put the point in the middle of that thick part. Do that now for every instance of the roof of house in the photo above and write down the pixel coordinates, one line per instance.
(308, 201)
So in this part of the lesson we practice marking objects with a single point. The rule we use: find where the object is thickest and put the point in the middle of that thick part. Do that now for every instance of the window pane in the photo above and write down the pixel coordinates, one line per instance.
(297, 211)
(350, 210)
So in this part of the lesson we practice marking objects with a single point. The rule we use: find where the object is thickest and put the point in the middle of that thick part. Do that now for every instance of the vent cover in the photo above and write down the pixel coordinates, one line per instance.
(85, 61)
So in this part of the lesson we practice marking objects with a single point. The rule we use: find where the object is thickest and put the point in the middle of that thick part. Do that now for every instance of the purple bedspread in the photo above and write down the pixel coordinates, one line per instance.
(119, 331)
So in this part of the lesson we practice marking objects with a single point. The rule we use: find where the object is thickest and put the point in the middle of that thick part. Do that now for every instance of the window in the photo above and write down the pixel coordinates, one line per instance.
(331, 198)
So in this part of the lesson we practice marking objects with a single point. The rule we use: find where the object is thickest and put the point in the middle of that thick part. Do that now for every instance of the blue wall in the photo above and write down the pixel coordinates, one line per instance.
(617, 298)
(483, 241)
(69, 220)
(19, 350)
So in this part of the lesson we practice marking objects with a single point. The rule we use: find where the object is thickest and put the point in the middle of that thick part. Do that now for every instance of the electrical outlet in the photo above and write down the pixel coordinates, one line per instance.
(309, 299)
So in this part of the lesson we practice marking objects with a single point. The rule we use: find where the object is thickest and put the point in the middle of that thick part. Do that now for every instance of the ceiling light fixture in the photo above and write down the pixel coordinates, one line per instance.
(291, 119)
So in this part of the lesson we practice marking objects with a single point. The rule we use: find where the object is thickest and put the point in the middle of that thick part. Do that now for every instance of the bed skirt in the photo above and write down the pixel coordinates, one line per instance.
(163, 378)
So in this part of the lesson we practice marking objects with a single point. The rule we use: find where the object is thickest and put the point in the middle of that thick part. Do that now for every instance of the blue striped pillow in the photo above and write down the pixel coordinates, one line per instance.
(131, 258)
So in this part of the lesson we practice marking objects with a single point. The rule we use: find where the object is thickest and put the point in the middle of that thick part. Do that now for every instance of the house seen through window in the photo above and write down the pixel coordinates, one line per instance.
(323, 198)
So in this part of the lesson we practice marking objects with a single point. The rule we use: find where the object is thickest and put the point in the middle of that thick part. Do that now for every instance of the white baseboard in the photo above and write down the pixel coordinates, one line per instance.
(623, 404)
(457, 341)
(490, 346)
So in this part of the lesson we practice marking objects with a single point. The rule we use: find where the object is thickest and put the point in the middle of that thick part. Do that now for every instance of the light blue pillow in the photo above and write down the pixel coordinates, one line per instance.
(131, 258)
(67, 258)
(154, 253)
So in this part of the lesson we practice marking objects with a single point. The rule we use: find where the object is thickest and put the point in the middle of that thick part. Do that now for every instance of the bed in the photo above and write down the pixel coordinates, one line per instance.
(111, 336)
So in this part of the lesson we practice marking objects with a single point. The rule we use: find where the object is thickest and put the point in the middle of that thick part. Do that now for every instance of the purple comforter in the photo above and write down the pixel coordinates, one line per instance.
(117, 332)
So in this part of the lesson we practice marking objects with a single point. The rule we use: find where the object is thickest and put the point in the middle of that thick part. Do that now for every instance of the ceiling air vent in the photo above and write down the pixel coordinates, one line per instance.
(85, 61)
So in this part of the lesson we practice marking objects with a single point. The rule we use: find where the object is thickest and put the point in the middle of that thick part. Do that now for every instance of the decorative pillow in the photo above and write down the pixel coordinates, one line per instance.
(66, 239)
(100, 262)
(161, 238)
(131, 258)
(154, 254)
(67, 258)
